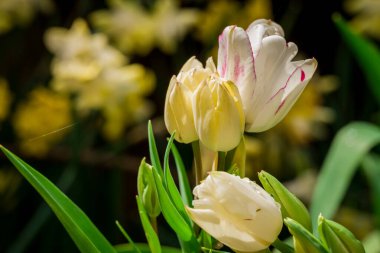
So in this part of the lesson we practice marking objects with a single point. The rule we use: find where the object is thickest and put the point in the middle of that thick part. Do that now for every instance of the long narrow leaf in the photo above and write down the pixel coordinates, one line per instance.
(183, 180)
(154, 157)
(144, 248)
(80, 228)
(172, 216)
(347, 150)
(366, 53)
(126, 235)
(150, 234)
(171, 187)
(371, 167)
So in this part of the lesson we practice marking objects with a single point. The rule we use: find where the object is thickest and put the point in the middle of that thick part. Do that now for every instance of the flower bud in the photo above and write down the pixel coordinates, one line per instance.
(304, 241)
(218, 114)
(178, 114)
(146, 188)
(338, 238)
(236, 211)
(291, 206)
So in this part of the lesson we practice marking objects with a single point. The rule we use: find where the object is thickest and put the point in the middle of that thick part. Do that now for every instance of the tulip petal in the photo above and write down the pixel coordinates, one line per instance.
(225, 231)
(191, 63)
(236, 62)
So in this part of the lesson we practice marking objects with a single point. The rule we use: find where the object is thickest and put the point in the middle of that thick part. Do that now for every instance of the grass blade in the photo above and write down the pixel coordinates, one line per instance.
(129, 239)
(183, 180)
(154, 157)
(365, 52)
(80, 228)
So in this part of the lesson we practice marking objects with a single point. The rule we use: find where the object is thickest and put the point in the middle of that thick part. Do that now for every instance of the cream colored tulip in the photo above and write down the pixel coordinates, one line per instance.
(218, 114)
(179, 114)
(259, 62)
(236, 211)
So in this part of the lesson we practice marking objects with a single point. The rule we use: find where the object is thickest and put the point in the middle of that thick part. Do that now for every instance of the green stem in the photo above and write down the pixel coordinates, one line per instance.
(197, 162)
(153, 222)
(221, 161)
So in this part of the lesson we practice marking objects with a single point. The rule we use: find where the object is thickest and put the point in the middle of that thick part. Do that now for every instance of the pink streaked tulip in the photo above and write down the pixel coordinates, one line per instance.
(259, 61)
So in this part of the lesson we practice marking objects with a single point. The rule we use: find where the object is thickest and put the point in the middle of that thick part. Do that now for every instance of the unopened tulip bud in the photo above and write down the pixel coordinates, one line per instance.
(146, 188)
(304, 241)
(218, 114)
(338, 238)
(237, 212)
(178, 113)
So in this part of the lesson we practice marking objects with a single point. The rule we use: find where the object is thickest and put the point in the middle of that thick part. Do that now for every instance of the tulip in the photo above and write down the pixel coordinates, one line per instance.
(236, 211)
(178, 114)
(259, 62)
(218, 114)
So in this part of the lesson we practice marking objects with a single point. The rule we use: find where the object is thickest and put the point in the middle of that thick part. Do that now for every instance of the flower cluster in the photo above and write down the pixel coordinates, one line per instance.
(255, 75)
(136, 30)
(253, 87)
(99, 76)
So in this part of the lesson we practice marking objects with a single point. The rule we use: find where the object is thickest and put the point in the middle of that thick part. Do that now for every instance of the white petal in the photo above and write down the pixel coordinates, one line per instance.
(191, 63)
(236, 62)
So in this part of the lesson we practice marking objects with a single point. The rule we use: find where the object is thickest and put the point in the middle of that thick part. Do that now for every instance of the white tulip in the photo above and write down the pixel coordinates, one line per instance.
(237, 212)
(259, 62)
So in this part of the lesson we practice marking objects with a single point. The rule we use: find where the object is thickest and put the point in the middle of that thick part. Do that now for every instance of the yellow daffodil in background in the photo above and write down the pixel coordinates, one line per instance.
(135, 29)
(237, 212)
(99, 76)
(367, 16)
(20, 12)
(5, 99)
(38, 119)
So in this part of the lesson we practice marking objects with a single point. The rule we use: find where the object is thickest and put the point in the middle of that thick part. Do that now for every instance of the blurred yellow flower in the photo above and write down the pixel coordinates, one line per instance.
(137, 30)
(98, 74)
(367, 16)
(39, 118)
(20, 12)
(5, 99)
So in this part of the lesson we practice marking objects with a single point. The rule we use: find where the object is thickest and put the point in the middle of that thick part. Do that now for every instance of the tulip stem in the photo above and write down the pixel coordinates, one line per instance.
(221, 160)
(197, 161)
(153, 222)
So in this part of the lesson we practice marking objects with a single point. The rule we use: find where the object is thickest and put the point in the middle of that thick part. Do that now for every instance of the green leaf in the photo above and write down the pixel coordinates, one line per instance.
(283, 247)
(338, 238)
(171, 187)
(172, 216)
(155, 159)
(366, 53)
(143, 247)
(129, 239)
(207, 250)
(347, 150)
(291, 206)
(371, 168)
(304, 241)
(183, 180)
(80, 228)
(150, 234)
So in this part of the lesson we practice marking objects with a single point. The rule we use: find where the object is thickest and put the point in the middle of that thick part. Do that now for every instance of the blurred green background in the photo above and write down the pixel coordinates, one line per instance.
(80, 79)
